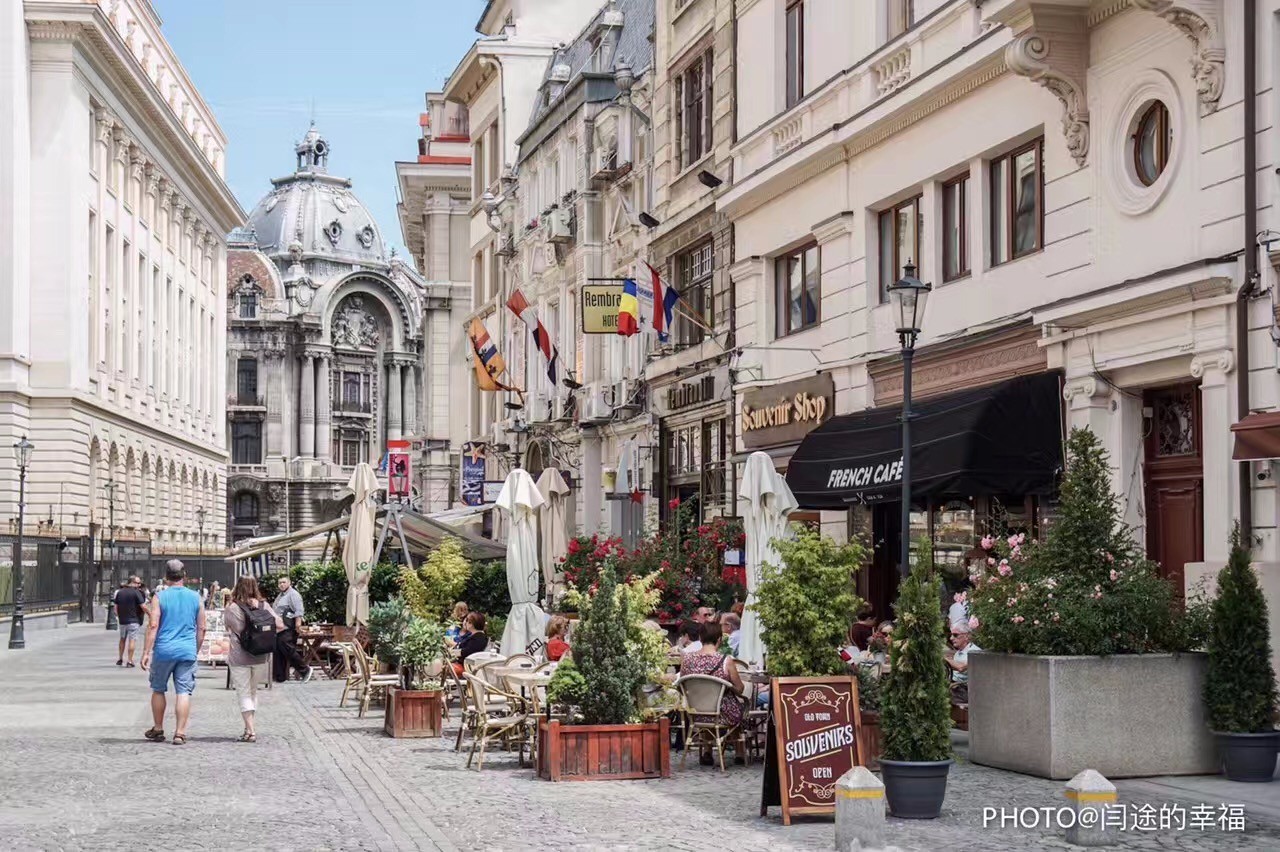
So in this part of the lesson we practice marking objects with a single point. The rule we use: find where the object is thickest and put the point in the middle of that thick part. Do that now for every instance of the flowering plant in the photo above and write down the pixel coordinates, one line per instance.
(586, 556)
(1086, 588)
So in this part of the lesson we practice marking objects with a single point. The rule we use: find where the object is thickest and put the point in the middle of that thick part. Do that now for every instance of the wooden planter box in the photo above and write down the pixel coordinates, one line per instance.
(413, 713)
(870, 739)
(603, 752)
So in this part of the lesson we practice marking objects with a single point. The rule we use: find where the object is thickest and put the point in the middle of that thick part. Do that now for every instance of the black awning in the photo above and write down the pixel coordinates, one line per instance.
(1004, 438)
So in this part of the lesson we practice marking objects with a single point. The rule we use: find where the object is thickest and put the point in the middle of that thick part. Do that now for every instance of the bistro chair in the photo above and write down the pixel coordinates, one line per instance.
(494, 727)
(469, 712)
(350, 671)
(702, 696)
(370, 679)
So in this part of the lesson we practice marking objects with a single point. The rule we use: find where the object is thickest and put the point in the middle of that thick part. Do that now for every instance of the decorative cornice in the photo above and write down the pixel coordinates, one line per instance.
(55, 30)
(1200, 21)
(1051, 47)
(988, 360)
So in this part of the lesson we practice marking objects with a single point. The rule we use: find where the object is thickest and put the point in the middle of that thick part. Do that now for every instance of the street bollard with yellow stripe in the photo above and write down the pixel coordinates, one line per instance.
(1090, 795)
(859, 811)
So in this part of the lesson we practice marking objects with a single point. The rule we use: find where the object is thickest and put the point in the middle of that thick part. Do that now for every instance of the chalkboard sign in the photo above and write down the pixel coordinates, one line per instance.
(816, 725)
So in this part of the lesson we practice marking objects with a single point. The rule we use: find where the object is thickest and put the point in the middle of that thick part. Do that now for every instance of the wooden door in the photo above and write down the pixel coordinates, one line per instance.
(1174, 481)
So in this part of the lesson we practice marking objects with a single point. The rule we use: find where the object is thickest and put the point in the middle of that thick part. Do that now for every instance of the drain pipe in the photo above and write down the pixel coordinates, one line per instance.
(1250, 253)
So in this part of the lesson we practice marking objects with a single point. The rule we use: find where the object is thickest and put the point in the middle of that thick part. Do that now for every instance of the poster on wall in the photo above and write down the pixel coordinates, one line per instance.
(473, 465)
(398, 469)
(816, 730)
(492, 488)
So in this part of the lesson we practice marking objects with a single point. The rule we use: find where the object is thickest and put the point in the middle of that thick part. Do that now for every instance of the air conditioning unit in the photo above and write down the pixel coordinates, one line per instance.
(606, 163)
(506, 246)
(563, 408)
(560, 226)
(598, 404)
(626, 395)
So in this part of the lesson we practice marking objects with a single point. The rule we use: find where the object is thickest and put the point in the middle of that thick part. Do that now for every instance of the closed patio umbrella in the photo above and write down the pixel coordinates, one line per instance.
(521, 500)
(766, 501)
(555, 537)
(358, 552)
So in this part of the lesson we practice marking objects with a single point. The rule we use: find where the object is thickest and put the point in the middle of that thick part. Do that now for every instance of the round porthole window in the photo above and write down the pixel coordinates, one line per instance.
(1152, 142)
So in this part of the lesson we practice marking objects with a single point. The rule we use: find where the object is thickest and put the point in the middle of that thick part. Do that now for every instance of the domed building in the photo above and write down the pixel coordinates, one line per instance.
(324, 349)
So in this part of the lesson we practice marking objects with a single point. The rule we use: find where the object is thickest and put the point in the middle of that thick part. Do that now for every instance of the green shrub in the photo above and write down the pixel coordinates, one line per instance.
(388, 623)
(613, 676)
(384, 583)
(323, 586)
(486, 589)
(567, 686)
(437, 584)
(421, 645)
(915, 703)
(1240, 686)
(806, 605)
(869, 690)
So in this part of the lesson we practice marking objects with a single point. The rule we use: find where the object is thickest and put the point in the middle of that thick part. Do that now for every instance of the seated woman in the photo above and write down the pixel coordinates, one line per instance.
(690, 640)
(707, 660)
(473, 642)
(557, 647)
(456, 628)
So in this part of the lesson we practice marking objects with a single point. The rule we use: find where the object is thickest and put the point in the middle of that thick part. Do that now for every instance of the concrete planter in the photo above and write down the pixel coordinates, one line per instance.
(1124, 716)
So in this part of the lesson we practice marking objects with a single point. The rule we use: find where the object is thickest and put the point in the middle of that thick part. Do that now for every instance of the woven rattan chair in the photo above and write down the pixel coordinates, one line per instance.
(494, 727)
(702, 695)
(371, 681)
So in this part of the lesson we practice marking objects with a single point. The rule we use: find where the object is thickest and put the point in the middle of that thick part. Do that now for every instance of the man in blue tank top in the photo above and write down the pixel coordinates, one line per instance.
(175, 633)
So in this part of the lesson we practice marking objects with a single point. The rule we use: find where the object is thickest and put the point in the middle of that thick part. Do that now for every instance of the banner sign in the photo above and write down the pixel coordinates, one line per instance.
(398, 467)
(492, 488)
(473, 465)
(818, 728)
(785, 413)
(600, 304)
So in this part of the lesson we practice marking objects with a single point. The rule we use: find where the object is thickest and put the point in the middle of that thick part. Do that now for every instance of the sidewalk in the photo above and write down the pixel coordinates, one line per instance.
(76, 768)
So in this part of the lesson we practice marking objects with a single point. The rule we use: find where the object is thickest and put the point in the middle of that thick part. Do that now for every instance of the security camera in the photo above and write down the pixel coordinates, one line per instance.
(1264, 473)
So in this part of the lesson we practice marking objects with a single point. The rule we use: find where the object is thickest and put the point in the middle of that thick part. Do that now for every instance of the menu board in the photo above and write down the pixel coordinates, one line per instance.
(217, 642)
(816, 723)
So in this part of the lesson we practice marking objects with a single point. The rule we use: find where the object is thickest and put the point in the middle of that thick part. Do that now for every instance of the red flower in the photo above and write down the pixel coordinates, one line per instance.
(674, 504)
(678, 607)
(574, 547)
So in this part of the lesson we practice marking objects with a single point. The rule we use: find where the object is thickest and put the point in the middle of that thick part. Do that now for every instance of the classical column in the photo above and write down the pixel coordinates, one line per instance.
(393, 401)
(410, 400)
(324, 395)
(307, 412)
(273, 373)
(1217, 401)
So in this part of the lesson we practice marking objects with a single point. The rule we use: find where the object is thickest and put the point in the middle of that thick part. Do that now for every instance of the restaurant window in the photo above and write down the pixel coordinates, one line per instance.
(693, 108)
(900, 229)
(1017, 203)
(795, 52)
(798, 285)
(246, 381)
(955, 228)
(901, 16)
(246, 442)
(354, 446)
(245, 509)
(694, 270)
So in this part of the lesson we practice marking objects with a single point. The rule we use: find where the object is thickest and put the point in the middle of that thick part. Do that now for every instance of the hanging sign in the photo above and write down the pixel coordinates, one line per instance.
(398, 468)
(818, 739)
(600, 305)
(785, 413)
(473, 465)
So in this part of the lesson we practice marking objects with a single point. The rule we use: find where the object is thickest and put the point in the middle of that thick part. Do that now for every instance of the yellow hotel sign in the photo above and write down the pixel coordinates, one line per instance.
(600, 304)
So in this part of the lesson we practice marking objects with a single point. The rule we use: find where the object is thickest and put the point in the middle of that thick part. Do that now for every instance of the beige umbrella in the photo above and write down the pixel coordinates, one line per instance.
(766, 502)
(357, 555)
(555, 536)
(520, 500)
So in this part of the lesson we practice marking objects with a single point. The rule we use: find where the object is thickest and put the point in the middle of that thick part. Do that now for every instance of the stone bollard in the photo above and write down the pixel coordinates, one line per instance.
(1090, 796)
(859, 811)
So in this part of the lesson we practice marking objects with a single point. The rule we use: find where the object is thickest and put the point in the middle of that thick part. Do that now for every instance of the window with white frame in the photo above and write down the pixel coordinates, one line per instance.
(795, 52)
(693, 108)
(900, 228)
(1017, 203)
(695, 269)
(798, 290)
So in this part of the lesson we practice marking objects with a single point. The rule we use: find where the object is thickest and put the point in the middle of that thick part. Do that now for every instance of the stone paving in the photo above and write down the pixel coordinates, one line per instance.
(77, 775)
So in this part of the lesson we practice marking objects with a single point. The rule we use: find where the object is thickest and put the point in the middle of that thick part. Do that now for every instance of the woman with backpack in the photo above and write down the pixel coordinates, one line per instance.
(252, 625)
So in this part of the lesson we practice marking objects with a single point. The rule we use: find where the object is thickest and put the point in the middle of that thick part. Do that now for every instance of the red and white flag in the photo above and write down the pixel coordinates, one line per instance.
(520, 306)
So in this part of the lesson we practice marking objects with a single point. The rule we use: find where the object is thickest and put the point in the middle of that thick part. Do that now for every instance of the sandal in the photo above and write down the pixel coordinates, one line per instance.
(247, 737)
(179, 739)
(155, 735)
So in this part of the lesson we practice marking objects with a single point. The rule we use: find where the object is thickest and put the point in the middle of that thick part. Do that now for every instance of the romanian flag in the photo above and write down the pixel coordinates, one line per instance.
(520, 306)
(629, 309)
(664, 305)
(489, 364)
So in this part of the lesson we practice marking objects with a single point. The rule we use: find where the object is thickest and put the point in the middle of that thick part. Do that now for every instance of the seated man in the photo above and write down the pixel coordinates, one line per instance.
(959, 662)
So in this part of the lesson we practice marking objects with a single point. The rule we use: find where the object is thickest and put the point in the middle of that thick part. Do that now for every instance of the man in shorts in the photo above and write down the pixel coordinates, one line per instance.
(174, 635)
(130, 604)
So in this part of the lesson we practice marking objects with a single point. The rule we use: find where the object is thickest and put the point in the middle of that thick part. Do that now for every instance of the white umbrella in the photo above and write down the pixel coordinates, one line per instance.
(767, 501)
(521, 500)
(358, 552)
(555, 537)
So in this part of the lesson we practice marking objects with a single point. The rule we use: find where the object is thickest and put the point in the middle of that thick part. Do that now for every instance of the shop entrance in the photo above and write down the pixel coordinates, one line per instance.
(1174, 481)
(879, 585)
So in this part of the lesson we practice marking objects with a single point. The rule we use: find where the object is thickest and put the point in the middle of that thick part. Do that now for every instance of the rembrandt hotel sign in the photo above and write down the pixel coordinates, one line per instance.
(785, 413)
(600, 303)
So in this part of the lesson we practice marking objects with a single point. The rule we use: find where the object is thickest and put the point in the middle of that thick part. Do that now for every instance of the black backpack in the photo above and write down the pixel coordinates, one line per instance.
(259, 634)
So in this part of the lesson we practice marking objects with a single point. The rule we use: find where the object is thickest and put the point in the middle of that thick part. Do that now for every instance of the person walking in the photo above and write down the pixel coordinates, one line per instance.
(130, 603)
(252, 626)
(175, 633)
(290, 608)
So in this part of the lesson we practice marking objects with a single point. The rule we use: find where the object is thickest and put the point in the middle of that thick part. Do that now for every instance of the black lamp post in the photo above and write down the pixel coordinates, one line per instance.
(17, 633)
(908, 297)
(200, 523)
(112, 623)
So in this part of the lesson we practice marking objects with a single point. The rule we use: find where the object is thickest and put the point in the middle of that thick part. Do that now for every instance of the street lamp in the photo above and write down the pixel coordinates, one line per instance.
(908, 297)
(17, 635)
(200, 524)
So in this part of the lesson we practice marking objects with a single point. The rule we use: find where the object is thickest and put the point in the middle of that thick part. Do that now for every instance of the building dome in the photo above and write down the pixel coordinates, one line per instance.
(317, 212)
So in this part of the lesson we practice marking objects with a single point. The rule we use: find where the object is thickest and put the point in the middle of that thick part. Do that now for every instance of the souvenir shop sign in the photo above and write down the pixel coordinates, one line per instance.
(600, 304)
(785, 413)
(817, 728)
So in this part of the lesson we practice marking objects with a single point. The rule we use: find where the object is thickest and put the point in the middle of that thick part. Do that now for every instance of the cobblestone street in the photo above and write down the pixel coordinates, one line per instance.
(77, 770)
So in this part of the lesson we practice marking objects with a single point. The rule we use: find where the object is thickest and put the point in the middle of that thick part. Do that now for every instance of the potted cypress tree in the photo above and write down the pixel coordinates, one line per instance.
(915, 708)
(415, 708)
(1239, 685)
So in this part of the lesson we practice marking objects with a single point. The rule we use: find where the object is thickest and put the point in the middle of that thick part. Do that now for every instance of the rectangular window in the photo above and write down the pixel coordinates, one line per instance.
(246, 442)
(125, 320)
(901, 16)
(900, 229)
(694, 272)
(95, 299)
(798, 287)
(955, 229)
(478, 184)
(795, 52)
(693, 108)
(248, 305)
(108, 297)
(355, 445)
(355, 392)
(246, 381)
(157, 322)
(1017, 203)
(495, 155)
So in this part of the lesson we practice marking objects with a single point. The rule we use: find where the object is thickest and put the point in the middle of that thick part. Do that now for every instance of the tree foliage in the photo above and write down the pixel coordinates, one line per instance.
(915, 704)
(807, 604)
(1239, 687)
(388, 624)
(486, 589)
(438, 582)
(613, 675)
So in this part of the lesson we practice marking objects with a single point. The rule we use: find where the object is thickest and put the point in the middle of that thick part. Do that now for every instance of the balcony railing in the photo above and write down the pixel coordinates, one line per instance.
(349, 406)
(246, 400)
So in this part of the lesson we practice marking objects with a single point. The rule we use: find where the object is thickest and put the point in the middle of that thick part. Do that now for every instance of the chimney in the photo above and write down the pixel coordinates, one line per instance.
(610, 29)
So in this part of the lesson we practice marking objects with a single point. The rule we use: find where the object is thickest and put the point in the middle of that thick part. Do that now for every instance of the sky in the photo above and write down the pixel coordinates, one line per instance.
(361, 67)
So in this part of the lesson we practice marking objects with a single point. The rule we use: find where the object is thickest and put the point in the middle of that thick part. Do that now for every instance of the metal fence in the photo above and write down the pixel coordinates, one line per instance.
(50, 575)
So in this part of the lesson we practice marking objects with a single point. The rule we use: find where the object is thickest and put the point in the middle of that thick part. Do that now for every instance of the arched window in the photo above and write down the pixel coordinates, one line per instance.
(245, 508)
(1152, 142)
